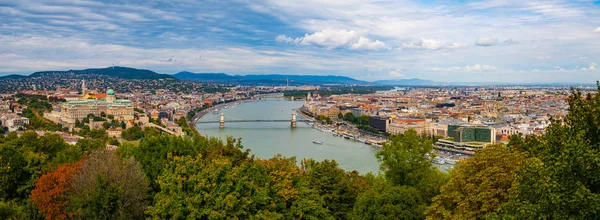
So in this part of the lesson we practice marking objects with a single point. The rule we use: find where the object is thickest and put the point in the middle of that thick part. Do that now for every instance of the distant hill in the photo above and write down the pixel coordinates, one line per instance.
(203, 76)
(268, 79)
(406, 82)
(117, 71)
(13, 76)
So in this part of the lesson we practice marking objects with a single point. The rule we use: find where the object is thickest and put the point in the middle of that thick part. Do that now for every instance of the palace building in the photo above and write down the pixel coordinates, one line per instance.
(121, 109)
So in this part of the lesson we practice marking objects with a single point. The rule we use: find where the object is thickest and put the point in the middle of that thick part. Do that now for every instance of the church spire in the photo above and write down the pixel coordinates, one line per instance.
(83, 88)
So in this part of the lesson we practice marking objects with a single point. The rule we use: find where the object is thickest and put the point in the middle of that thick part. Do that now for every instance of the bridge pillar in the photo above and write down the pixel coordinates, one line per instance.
(222, 121)
(293, 120)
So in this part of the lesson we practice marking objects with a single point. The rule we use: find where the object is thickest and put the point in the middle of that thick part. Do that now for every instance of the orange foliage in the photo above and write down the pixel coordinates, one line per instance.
(49, 193)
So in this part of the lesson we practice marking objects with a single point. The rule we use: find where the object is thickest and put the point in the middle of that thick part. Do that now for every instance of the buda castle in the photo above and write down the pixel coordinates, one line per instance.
(94, 103)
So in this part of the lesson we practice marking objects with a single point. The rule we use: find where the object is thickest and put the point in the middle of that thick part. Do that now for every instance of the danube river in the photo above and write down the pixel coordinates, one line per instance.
(267, 139)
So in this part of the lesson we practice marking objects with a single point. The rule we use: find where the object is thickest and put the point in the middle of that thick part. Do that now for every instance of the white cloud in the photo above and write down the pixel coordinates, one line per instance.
(535, 70)
(479, 67)
(396, 74)
(285, 39)
(597, 30)
(592, 67)
(330, 38)
(583, 58)
(543, 57)
(335, 38)
(366, 43)
(432, 44)
(486, 41)
(467, 68)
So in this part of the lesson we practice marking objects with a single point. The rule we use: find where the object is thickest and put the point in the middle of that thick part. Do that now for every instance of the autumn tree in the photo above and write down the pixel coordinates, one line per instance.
(50, 193)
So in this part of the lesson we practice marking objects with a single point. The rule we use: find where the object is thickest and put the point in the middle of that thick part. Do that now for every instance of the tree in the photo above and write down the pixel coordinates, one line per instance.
(102, 114)
(110, 116)
(338, 188)
(123, 125)
(340, 115)
(405, 159)
(560, 178)
(479, 185)
(253, 189)
(348, 116)
(106, 125)
(108, 187)
(328, 120)
(134, 133)
(387, 201)
(12, 172)
(50, 193)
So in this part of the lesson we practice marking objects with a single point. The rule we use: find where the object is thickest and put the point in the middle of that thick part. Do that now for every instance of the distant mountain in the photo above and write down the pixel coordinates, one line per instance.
(203, 76)
(406, 82)
(117, 71)
(268, 79)
(13, 76)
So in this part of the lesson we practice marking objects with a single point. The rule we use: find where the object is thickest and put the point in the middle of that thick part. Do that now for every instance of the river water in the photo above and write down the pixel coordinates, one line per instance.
(267, 139)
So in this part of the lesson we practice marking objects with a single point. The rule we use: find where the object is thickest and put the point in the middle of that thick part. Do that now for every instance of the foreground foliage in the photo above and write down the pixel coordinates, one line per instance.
(552, 176)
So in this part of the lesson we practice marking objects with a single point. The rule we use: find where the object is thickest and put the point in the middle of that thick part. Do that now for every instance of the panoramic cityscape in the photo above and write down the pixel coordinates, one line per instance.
(299, 110)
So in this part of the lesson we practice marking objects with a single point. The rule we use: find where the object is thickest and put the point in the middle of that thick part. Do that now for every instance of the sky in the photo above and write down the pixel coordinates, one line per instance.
(444, 41)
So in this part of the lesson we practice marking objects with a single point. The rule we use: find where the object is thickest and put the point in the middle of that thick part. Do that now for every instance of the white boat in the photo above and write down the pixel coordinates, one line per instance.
(317, 142)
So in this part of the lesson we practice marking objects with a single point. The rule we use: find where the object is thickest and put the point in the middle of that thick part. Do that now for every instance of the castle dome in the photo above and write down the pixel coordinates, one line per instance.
(110, 92)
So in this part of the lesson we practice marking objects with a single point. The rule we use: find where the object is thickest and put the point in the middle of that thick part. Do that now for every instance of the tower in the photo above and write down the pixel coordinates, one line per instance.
(222, 121)
(110, 96)
(83, 88)
(293, 120)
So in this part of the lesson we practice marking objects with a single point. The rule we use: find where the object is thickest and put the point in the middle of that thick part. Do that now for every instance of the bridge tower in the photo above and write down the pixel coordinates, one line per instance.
(293, 120)
(222, 121)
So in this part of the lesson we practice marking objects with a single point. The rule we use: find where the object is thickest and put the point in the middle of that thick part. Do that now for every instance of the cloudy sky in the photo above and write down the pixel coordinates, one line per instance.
(445, 41)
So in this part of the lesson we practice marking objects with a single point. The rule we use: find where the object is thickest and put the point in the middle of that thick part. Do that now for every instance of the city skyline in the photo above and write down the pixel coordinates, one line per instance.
(481, 41)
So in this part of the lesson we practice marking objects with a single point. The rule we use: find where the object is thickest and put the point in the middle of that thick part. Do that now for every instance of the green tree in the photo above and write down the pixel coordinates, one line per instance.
(108, 187)
(479, 185)
(134, 133)
(338, 188)
(560, 178)
(106, 125)
(348, 117)
(389, 201)
(340, 115)
(405, 159)
(12, 172)
(270, 189)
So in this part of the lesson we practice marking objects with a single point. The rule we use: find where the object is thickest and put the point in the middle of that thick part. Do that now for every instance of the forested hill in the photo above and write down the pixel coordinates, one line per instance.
(268, 79)
(117, 71)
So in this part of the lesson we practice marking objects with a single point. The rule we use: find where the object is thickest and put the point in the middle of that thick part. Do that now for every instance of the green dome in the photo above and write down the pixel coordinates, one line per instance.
(110, 92)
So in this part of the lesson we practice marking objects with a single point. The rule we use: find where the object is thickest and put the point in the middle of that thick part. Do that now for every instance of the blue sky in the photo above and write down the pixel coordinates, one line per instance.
(446, 41)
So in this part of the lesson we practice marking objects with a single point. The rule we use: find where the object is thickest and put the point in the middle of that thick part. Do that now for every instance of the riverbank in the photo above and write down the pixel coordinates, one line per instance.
(347, 132)
(194, 120)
